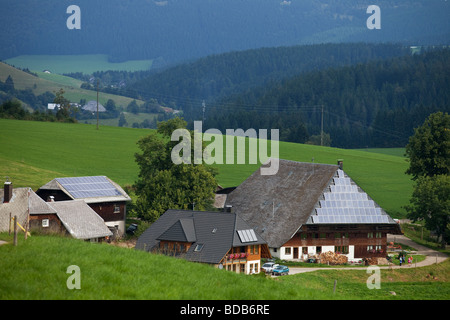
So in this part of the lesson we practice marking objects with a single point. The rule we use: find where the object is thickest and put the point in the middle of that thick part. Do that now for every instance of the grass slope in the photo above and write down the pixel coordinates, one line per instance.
(53, 83)
(78, 149)
(87, 64)
(37, 269)
(109, 272)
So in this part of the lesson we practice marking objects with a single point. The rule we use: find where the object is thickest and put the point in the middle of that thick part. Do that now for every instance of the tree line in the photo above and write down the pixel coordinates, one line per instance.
(376, 104)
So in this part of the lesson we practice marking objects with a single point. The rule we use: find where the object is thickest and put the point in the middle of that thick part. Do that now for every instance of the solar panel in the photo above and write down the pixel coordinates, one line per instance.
(89, 187)
(247, 235)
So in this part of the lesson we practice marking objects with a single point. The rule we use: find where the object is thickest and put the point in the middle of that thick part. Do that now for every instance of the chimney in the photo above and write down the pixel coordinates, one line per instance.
(228, 208)
(8, 191)
(51, 199)
(340, 163)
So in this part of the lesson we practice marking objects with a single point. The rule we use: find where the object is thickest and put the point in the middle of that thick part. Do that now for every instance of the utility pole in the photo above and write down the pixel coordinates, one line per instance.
(321, 129)
(203, 107)
(97, 104)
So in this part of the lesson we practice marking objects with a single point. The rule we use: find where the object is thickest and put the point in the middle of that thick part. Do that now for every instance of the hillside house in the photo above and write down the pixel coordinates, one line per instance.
(306, 209)
(102, 194)
(221, 239)
(75, 218)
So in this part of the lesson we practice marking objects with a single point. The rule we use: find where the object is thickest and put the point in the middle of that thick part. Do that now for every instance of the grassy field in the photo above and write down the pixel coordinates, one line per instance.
(129, 117)
(33, 153)
(53, 83)
(109, 272)
(87, 64)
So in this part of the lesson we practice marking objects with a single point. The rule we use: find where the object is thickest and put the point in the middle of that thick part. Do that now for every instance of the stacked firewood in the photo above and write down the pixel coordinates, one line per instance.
(332, 258)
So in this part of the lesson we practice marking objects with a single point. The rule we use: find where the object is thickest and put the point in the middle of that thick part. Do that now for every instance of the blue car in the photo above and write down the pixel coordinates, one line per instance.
(280, 270)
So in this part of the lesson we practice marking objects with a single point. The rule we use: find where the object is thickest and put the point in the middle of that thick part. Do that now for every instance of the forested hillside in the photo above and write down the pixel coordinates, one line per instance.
(177, 30)
(218, 76)
(376, 104)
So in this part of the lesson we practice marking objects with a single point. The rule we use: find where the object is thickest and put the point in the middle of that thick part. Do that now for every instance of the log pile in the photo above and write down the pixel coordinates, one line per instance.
(332, 258)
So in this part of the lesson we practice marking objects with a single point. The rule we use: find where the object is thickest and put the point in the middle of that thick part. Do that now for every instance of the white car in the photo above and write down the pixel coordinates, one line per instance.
(268, 266)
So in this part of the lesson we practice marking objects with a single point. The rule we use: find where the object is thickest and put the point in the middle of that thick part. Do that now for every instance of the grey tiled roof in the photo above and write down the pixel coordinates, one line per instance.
(18, 205)
(80, 220)
(216, 231)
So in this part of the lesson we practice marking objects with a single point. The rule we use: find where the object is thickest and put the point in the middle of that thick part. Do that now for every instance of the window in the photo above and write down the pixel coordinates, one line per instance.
(287, 251)
(254, 249)
(322, 236)
(303, 236)
(198, 247)
(378, 235)
(45, 223)
(337, 235)
(116, 208)
(318, 250)
(370, 235)
(341, 249)
(305, 250)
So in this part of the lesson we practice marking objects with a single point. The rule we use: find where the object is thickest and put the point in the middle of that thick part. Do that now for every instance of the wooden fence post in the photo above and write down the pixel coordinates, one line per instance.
(15, 230)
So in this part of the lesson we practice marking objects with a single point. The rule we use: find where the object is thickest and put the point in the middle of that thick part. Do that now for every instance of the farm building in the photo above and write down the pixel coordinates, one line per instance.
(91, 106)
(307, 209)
(221, 239)
(72, 217)
(102, 194)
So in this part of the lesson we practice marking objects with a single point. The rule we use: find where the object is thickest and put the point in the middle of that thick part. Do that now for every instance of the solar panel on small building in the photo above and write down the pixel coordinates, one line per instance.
(89, 187)
(247, 235)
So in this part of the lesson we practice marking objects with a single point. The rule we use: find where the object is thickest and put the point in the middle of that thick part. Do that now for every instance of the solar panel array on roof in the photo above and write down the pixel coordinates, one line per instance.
(89, 187)
(247, 235)
(345, 203)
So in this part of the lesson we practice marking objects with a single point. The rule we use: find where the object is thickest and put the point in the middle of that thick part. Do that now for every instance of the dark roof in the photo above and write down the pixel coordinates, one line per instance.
(216, 231)
(276, 206)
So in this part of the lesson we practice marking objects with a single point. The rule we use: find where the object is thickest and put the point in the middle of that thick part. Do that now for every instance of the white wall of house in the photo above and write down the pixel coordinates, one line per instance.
(283, 254)
(119, 224)
(253, 266)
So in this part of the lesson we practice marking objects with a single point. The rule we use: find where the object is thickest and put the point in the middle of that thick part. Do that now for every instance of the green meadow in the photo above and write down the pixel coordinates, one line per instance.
(87, 64)
(53, 82)
(110, 272)
(33, 153)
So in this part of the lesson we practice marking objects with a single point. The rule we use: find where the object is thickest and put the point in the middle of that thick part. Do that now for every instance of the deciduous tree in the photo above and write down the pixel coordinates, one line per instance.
(428, 149)
(430, 202)
(162, 185)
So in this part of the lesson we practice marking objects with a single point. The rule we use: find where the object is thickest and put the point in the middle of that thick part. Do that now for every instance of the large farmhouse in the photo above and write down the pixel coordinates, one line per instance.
(307, 209)
(221, 239)
(102, 194)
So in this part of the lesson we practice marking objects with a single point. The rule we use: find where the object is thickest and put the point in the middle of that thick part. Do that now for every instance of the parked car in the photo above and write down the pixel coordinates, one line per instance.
(280, 270)
(132, 228)
(268, 266)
